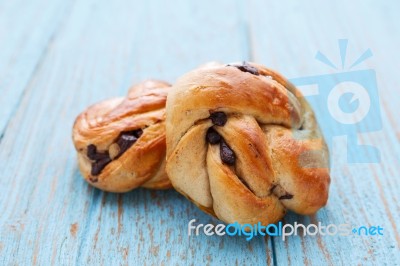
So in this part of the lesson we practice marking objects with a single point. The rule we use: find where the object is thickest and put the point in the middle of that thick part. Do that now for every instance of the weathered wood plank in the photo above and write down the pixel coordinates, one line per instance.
(66, 62)
(27, 29)
(287, 39)
(49, 214)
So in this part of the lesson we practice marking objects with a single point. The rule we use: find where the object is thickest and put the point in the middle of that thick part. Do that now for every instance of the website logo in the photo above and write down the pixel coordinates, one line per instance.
(350, 103)
(249, 231)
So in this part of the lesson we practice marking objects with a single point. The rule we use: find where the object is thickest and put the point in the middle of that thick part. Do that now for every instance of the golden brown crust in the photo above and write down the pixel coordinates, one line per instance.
(103, 124)
(280, 159)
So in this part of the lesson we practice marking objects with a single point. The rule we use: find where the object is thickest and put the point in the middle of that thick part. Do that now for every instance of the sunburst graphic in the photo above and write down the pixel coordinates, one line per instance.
(343, 52)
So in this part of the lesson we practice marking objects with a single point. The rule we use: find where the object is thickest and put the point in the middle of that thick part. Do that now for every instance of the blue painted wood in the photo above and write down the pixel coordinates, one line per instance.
(27, 29)
(57, 57)
(48, 213)
(361, 194)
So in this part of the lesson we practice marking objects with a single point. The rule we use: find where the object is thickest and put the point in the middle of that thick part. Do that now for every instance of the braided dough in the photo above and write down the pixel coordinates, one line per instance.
(244, 145)
(121, 141)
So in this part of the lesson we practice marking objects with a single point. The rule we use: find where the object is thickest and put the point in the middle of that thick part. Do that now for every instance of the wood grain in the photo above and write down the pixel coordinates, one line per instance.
(49, 214)
(57, 57)
(23, 47)
(360, 194)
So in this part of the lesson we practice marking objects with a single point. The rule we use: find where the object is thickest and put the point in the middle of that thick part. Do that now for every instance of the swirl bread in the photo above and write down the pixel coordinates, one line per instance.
(244, 145)
(121, 141)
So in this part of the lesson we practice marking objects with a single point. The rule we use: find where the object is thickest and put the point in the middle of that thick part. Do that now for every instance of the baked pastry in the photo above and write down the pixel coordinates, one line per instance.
(121, 141)
(244, 145)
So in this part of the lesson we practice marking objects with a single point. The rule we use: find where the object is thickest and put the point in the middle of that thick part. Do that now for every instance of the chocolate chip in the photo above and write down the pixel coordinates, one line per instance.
(93, 154)
(101, 160)
(227, 155)
(287, 196)
(91, 151)
(99, 156)
(137, 133)
(212, 136)
(125, 141)
(99, 165)
(245, 67)
(218, 118)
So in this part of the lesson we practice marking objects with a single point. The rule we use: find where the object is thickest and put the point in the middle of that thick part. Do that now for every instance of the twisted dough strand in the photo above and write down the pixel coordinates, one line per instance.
(121, 141)
(267, 156)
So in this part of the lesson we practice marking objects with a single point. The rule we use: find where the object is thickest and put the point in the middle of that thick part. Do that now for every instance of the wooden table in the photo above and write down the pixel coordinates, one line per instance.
(57, 57)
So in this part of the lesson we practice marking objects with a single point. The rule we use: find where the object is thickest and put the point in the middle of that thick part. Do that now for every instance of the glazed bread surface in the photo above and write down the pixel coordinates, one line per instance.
(244, 145)
(121, 141)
